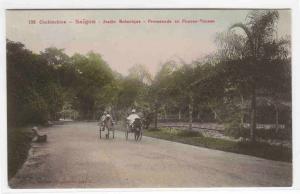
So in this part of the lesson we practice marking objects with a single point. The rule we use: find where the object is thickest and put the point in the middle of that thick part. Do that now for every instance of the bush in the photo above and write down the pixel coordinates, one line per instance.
(18, 140)
(153, 129)
(262, 150)
(29, 108)
(35, 111)
(265, 150)
(234, 129)
(283, 134)
(171, 131)
(181, 132)
(266, 134)
(189, 133)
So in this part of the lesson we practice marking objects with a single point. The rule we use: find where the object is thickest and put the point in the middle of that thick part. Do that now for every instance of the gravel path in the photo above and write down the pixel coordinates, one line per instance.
(75, 157)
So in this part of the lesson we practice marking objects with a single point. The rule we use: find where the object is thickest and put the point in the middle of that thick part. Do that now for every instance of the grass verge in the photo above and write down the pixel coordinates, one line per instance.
(18, 145)
(263, 150)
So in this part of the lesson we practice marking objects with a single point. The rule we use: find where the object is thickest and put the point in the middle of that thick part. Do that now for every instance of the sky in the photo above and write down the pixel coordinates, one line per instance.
(124, 45)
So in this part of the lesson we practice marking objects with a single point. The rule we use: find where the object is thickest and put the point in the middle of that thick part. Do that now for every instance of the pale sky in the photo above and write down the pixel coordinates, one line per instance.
(123, 45)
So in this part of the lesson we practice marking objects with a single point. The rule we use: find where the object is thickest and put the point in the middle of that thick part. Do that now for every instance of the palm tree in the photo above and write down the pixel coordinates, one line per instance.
(260, 31)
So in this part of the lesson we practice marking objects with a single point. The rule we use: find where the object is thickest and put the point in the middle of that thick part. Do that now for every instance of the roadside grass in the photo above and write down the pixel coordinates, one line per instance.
(262, 150)
(18, 145)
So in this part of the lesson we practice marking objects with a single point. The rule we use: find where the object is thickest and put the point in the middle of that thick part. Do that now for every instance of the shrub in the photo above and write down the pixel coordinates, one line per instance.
(35, 111)
(234, 129)
(283, 134)
(265, 150)
(189, 133)
(18, 144)
(171, 130)
(153, 129)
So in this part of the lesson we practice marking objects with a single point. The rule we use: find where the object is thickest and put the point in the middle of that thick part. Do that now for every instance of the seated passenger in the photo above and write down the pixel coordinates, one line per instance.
(132, 117)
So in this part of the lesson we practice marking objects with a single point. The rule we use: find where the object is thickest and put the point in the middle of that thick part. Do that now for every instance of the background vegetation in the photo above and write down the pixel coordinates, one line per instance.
(245, 82)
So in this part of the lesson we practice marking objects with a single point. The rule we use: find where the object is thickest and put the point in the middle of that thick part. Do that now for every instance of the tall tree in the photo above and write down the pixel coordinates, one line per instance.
(31, 87)
(93, 77)
(260, 33)
(141, 73)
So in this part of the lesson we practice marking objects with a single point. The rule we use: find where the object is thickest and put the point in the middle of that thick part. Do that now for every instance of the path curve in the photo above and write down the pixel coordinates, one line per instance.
(75, 157)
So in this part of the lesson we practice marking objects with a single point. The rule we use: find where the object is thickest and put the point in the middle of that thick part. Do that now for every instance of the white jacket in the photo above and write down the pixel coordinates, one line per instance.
(132, 117)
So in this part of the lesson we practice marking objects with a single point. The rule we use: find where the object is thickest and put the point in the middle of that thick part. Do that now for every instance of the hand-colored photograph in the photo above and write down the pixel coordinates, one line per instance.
(148, 98)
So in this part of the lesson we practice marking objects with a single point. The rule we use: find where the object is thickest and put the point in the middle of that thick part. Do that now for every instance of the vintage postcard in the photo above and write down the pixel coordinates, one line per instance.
(149, 98)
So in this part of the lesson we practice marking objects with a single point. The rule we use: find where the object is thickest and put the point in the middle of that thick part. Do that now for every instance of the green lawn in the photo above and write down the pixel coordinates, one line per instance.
(262, 150)
(18, 144)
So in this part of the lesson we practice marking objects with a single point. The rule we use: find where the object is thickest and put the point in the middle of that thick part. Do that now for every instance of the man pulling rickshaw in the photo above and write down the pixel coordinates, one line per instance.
(106, 122)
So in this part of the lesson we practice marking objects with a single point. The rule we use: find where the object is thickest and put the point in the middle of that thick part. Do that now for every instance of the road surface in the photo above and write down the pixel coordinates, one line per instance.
(75, 157)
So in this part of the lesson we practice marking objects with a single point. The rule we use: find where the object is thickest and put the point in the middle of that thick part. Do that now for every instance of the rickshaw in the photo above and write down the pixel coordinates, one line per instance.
(136, 128)
(108, 125)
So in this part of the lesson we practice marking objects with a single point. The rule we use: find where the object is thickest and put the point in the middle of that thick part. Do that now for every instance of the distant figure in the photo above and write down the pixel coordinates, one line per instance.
(108, 116)
(37, 137)
(103, 119)
(131, 118)
(106, 122)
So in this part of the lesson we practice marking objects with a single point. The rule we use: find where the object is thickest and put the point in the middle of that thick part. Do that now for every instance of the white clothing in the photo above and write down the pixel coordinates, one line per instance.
(132, 117)
(104, 117)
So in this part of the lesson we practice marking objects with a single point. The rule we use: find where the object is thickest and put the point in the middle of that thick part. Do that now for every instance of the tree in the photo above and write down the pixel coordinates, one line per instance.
(183, 79)
(208, 87)
(62, 76)
(141, 73)
(31, 87)
(93, 78)
(260, 34)
(163, 89)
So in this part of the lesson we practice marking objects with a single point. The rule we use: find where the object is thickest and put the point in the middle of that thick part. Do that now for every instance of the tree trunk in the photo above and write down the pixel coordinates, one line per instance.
(94, 115)
(242, 112)
(253, 115)
(165, 113)
(242, 120)
(155, 114)
(216, 117)
(276, 119)
(191, 112)
(179, 115)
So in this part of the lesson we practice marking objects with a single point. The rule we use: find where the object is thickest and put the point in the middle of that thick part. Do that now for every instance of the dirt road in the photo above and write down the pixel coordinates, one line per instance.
(75, 157)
